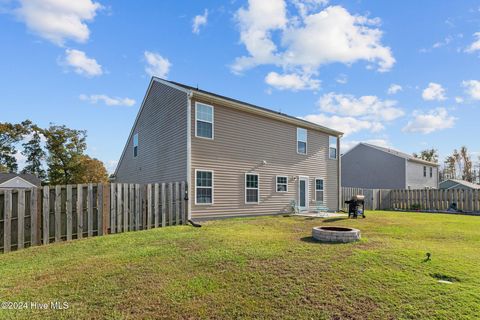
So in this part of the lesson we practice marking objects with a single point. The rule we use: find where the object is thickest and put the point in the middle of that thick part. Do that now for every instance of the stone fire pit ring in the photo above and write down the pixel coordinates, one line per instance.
(336, 234)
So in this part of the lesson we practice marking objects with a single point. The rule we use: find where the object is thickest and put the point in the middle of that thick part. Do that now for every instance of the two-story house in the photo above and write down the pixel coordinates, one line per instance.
(373, 167)
(237, 158)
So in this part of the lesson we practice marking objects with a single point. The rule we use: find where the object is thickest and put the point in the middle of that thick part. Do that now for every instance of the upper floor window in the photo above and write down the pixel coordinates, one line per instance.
(282, 184)
(424, 171)
(204, 120)
(301, 141)
(135, 145)
(332, 147)
(431, 172)
(251, 188)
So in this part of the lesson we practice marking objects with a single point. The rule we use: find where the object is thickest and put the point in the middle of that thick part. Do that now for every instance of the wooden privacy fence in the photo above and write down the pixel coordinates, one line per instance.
(435, 199)
(36, 216)
(375, 199)
(415, 199)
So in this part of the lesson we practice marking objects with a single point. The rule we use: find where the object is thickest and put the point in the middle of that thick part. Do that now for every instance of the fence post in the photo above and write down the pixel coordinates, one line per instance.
(79, 211)
(170, 204)
(68, 205)
(100, 201)
(137, 207)
(58, 212)
(113, 213)
(46, 214)
(7, 221)
(149, 206)
(156, 204)
(21, 219)
(119, 207)
(177, 203)
(164, 204)
(106, 207)
(125, 207)
(34, 229)
(131, 207)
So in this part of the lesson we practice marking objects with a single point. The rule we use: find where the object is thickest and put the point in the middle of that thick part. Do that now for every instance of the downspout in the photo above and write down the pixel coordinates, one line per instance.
(189, 154)
(339, 174)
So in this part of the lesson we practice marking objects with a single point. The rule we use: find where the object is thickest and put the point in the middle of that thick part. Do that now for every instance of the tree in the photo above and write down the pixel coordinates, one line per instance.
(428, 155)
(35, 155)
(91, 170)
(10, 134)
(65, 147)
(3, 168)
(467, 173)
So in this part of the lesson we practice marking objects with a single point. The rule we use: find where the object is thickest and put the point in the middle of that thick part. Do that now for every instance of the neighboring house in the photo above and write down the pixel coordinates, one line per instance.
(18, 181)
(458, 184)
(237, 158)
(374, 167)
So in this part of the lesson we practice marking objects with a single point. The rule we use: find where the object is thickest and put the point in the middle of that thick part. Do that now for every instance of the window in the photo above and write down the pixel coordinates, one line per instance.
(319, 189)
(251, 188)
(203, 187)
(135, 145)
(301, 141)
(204, 120)
(332, 147)
(431, 172)
(282, 184)
(424, 171)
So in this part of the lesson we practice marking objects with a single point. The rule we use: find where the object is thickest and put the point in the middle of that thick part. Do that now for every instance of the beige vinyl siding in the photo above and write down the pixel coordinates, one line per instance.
(241, 143)
(162, 139)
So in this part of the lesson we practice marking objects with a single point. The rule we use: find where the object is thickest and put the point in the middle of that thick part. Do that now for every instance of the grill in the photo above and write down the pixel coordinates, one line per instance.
(356, 206)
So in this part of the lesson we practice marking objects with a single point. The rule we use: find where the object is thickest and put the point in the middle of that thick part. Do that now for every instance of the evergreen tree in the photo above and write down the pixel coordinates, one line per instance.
(35, 155)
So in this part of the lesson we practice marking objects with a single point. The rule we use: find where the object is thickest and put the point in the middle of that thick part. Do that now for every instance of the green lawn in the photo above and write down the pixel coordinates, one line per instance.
(265, 267)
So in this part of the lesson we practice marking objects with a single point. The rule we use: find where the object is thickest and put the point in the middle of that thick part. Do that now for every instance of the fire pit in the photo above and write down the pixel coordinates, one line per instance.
(335, 234)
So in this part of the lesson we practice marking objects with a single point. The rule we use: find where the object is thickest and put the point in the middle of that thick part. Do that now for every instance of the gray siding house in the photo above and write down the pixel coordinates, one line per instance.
(458, 184)
(373, 167)
(237, 158)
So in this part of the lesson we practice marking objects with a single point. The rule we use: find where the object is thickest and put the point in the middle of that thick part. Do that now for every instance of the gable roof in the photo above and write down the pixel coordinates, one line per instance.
(249, 106)
(396, 153)
(464, 183)
(30, 178)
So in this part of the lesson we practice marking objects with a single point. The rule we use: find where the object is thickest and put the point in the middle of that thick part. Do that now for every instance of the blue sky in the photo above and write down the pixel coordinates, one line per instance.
(87, 64)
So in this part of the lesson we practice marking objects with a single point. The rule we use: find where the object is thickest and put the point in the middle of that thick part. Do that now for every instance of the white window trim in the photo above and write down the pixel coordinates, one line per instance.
(276, 183)
(133, 144)
(213, 120)
(336, 148)
(213, 185)
(306, 142)
(315, 188)
(258, 187)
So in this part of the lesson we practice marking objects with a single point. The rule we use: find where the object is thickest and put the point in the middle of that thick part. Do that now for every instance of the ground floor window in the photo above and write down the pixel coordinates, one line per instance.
(203, 187)
(282, 184)
(319, 189)
(251, 188)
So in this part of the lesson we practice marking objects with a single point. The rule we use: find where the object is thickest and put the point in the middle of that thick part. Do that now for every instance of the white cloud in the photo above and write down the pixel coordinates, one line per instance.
(82, 64)
(431, 121)
(366, 107)
(346, 145)
(292, 81)
(305, 7)
(109, 101)
(156, 65)
(434, 91)
(458, 99)
(111, 165)
(341, 78)
(198, 21)
(475, 46)
(472, 88)
(347, 125)
(308, 41)
(58, 20)
(394, 88)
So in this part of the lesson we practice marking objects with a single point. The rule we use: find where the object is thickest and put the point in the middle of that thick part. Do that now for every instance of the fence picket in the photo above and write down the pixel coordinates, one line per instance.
(163, 201)
(100, 201)
(177, 203)
(170, 204)
(58, 213)
(156, 203)
(34, 227)
(119, 207)
(149, 206)
(46, 214)
(137, 207)
(21, 219)
(79, 211)
(68, 205)
(131, 208)
(113, 202)
(7, 220)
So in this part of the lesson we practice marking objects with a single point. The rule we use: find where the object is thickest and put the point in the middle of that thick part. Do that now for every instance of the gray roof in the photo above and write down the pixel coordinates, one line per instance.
(27, 176)
(400, 154)
(464, 183)
(319, 127)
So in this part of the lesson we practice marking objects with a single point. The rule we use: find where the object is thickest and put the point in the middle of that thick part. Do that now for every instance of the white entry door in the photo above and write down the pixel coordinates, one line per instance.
(303, 193)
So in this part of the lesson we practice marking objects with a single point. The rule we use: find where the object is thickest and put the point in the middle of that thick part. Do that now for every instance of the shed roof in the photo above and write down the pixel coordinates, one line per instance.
(400, 154)
(466, 184)
(4, 177)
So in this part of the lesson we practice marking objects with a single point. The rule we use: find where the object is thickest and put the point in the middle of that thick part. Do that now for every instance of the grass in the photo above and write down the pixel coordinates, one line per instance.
(265, 267)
